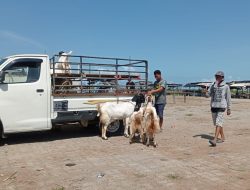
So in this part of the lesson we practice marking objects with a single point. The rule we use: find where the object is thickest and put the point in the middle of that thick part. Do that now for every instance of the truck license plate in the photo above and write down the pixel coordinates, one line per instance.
(61, 105)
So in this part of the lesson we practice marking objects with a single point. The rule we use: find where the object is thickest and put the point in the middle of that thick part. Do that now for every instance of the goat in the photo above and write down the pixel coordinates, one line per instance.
(151, 121)
(109, 112)
(62, 65)
(136, 124)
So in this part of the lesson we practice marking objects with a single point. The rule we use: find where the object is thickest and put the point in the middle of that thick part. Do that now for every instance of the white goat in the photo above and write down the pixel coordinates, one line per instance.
(113, 111)
(62, 65)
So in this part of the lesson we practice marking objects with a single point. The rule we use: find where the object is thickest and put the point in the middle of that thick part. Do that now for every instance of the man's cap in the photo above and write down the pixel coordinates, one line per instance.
(220, 73)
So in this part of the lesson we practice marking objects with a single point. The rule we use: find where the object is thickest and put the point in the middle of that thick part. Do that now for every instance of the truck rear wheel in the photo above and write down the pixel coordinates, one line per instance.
(116, 128)
(84, 123)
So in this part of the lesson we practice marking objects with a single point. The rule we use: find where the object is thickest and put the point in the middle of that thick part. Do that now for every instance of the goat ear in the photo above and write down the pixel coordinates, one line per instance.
(70, 52)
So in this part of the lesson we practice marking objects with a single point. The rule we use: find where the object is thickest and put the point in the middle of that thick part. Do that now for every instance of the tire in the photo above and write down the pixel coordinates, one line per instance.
(84, 123)
(115, 129)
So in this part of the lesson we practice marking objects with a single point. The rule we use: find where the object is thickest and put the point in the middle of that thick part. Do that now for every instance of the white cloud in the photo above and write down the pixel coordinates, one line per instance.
(18, 38)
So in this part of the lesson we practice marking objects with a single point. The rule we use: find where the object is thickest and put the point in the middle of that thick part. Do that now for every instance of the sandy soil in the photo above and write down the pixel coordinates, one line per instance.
(76, 158)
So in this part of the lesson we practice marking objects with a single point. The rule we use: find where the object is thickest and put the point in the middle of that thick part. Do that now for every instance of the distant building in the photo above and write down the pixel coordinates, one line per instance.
(198, 85)
(240, 84)
(239, 89)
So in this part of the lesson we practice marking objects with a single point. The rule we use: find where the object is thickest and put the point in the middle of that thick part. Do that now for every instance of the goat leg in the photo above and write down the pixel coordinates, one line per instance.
(141, 135)
(132, 133)
(144, 138)
(104, 131)
(131, 138)
(147, 137)
(126, 123)
(154, 141)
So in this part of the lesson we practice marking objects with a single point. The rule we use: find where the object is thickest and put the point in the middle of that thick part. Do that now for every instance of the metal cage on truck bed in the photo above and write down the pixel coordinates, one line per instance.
(97, 76)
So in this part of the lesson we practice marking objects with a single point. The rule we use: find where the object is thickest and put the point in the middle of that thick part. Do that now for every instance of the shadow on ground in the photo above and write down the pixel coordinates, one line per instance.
(204, 136)
(66, 132)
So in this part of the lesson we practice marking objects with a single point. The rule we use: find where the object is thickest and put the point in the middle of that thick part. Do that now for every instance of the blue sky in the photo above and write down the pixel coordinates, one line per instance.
(189, 40)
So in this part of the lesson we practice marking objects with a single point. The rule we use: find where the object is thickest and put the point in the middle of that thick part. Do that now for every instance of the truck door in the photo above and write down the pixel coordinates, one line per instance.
(24, 95)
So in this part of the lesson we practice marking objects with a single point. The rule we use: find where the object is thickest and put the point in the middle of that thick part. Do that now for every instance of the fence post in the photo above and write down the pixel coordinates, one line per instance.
(54, 75)
(81, 73)
(116, 79)
(185, 98)
(146, 71)
(174, 98)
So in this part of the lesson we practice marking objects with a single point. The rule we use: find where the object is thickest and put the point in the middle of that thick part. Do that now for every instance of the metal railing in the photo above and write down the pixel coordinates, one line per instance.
(87, 75)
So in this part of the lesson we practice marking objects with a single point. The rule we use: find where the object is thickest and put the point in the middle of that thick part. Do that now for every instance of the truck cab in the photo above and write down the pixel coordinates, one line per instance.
(25, 93)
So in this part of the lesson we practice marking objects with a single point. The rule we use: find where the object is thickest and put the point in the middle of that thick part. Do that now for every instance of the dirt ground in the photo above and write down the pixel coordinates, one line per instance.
(76, 158)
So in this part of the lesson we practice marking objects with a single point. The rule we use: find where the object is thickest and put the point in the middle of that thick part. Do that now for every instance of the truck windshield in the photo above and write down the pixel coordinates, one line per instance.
(2, 61)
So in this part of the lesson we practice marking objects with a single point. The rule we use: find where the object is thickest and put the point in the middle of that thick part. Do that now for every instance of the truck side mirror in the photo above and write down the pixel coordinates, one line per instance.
(2, 76)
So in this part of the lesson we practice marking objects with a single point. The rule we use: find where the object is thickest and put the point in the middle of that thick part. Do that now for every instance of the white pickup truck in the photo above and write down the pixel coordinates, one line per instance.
(36, 93)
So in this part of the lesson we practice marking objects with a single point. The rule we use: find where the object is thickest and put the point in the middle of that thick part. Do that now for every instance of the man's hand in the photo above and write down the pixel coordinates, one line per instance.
(204, 90)
(150, 93)
(156, 90)
(228, 112)
(206, 93)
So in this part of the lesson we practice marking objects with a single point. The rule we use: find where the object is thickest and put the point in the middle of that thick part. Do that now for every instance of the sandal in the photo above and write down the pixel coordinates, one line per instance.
(212, 143)
(220, 141)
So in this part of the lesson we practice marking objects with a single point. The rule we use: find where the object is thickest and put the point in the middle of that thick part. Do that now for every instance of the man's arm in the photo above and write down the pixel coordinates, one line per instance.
(156, 90)
(209, 91)
(127, 85)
